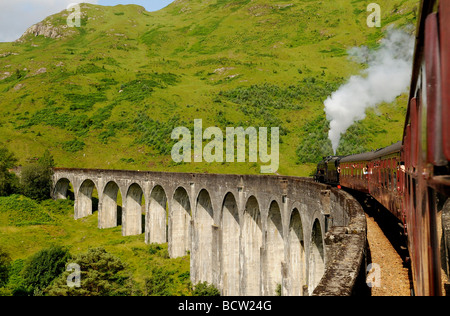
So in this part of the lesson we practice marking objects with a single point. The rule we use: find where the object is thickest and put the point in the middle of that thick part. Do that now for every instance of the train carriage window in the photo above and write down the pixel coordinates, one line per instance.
(390, 180)
(386, 179)
(395, 181)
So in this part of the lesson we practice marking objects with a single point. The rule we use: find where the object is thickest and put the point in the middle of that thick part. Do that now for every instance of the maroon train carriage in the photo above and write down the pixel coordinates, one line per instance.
(426, 149)
(378, 173)
(412, 178)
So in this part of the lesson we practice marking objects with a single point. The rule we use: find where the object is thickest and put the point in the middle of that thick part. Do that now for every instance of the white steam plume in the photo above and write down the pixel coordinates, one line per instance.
(388, 75)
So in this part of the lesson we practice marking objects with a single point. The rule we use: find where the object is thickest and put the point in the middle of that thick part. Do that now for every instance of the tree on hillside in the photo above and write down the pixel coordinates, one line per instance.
(43, 267)
(8, 180)
(101, 274)
(5, 263)
(36, 177)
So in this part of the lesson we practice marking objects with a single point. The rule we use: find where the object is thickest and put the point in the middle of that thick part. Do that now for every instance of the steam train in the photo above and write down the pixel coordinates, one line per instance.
(411, 178)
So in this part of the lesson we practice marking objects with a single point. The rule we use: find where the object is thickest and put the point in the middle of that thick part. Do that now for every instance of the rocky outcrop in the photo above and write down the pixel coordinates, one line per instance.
(47, 30)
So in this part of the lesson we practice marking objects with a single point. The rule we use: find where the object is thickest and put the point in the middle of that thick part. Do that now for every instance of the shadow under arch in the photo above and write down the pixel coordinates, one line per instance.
(110, 212)
(203, 223)
(316, 257)
(85, 203)
(274, 249)
(231, 232)
(297, 261)
(179, 224)
(132, 224)
(63, 190)
(251, 245)
(156, 219)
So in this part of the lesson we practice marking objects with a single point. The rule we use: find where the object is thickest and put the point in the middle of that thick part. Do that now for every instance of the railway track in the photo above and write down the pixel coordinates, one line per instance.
(387, 250)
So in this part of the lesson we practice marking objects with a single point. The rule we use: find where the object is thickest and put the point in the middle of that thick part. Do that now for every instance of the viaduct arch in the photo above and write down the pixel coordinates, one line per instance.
(248, 235)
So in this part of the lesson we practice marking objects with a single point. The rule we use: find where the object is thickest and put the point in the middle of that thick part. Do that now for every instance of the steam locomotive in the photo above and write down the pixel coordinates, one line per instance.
(411, 178)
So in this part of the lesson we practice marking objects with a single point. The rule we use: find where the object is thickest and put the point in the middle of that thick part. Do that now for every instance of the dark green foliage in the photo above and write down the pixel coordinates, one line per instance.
(160, 283)
(16, 283)
(355, 140)
(154, 133)
(127, 160)
(101, 115)
(79, 125)
(315, 143)
(58, 207)
(264, 95)
(205, 289)
(5, 265)
(104, 136)
(292, 97)
(44, 267)
(139, 89)
(8, 180)
(154, 248)
(16, 77)
(36, 178)
(278, 290)
(49, 116)
(90, 69)
(23, 211)
(102, 274)
(262, 101)
(84, 102)
(73, 145)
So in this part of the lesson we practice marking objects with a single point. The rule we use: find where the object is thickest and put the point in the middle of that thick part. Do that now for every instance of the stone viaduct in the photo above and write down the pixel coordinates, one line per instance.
(246, 234)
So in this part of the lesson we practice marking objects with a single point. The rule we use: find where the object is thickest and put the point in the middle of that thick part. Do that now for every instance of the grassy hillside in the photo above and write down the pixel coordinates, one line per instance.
(27, 227)
(108, 94)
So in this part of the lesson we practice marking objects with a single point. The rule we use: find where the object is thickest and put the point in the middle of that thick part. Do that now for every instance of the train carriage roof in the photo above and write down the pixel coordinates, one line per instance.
(368, 156)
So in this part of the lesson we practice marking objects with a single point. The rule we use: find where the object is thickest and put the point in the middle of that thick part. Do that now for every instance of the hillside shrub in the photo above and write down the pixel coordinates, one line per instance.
(84, 102)
(16, 284)
(102, 274)
(90, 68)
(23, 211)
(43, 267)
(5, 265)
(73, 146)
(154, 133)
(205, 289)
(8, 180)
(36, 178)
(160, 283)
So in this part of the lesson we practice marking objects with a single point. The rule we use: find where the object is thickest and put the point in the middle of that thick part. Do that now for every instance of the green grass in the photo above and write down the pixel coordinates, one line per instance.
(27, 226)
(230, 63)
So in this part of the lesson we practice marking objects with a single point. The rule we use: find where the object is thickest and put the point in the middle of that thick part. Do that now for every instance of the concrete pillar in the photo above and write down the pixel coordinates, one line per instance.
(274, 247)
(230, 247)
(251, 249)
(316, 257)
(107, 216)
(297, 264)
(156, 217)
(179, 224)
(83, 199)
(132, 208)
(203, 222)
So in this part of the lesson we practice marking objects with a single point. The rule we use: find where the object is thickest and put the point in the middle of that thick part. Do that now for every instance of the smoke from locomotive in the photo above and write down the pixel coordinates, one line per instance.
(387, 77)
